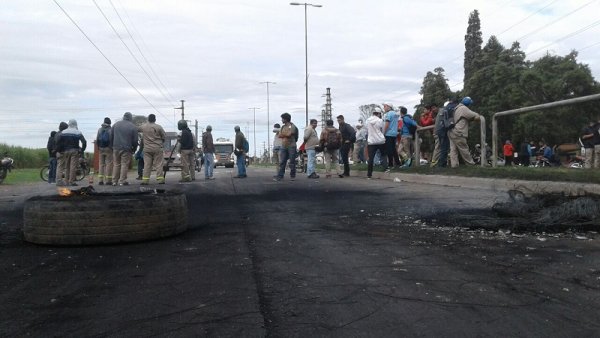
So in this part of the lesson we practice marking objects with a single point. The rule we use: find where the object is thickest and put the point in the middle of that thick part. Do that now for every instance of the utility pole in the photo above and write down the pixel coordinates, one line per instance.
(254, 110)
(328, 105)
(196, 126)
(268, 118)
(182, 109)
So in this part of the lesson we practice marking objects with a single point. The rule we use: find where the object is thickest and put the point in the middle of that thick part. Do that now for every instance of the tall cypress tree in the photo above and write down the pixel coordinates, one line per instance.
(473, 42)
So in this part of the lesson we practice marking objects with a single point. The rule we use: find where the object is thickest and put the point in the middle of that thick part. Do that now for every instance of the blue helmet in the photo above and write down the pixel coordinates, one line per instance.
(467, 101)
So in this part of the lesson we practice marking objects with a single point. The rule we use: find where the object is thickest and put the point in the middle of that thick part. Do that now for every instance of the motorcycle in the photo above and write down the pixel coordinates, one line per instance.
(6, 165)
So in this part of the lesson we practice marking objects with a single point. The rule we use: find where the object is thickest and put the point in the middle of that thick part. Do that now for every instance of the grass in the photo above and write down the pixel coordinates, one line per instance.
(22, 176)
(28, 176)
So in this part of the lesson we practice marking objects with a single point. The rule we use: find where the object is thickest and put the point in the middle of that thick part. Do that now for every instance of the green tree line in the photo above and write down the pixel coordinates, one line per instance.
(499, 78)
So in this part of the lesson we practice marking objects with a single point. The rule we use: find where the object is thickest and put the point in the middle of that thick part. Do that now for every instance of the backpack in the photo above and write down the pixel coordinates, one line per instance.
(411, 129)
(332, 142)
(447, 117)
(246, 146)
(104, 139)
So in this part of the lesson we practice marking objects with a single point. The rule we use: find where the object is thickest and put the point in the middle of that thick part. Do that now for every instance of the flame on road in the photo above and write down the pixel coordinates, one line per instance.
(64, 192)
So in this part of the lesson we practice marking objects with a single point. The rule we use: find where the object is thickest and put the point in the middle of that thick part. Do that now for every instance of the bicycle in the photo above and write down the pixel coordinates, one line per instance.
(81, 172)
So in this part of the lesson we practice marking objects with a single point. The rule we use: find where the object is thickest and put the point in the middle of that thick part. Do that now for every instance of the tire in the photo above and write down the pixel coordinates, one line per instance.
(81, 173)
(103, 218)
(3, 173)
(44, 173)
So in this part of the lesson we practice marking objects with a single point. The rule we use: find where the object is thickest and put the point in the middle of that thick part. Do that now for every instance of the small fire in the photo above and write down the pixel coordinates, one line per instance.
(64, 192)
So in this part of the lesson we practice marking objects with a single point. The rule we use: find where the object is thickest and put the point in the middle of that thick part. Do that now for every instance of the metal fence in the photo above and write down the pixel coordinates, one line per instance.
(527, 110)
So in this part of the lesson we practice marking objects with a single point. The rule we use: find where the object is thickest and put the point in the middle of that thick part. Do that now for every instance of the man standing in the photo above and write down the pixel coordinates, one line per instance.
(435, 156)
(406, 142)
(153, 141)
(390, 130)
(311, 140)
(240, 153)
(331, 142)
(459, 134)
(60, 160)
(375, 138)
(289, 136)
(587, 138)
(124, 140)
(442, 131)
(208, 148)
(68, 146)
(359, 145)
(51, 147)
(348, 139)
(508, 151)
(276, 144)
(106, 153)
(186, 152)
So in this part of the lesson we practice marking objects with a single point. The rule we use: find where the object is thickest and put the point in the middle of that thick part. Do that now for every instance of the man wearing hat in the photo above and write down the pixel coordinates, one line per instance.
(106, 153)
(208, 148)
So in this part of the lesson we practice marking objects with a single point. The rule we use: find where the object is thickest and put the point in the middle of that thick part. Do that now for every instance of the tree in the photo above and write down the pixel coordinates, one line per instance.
(366, 111)
(435, 89)
(473, 42)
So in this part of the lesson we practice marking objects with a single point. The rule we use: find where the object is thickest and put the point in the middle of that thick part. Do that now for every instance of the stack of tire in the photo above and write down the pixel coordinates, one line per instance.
(103, 218)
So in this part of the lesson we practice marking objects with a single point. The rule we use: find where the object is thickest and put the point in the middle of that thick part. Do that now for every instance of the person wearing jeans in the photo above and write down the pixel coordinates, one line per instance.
(311, 140)
(240, 154)
(289, 136)
(208, 148)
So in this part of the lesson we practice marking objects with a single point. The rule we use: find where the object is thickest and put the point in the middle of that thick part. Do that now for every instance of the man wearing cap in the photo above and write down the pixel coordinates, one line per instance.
(390, 130)
(153, 139)
(240, 154)
(106, 153)
(459, 134)
(124, 140)
(208, 148)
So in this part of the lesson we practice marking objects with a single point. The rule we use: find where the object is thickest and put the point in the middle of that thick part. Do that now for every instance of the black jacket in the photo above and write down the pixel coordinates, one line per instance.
(187, 139)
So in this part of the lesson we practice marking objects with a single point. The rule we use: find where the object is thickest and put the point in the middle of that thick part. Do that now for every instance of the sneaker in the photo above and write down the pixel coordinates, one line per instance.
(100, 183)
(340, 176)
(277, 178)
(124, 183)
(114, 184)
(368, 177)
(185, 180)
(139, 178)
(387, 169)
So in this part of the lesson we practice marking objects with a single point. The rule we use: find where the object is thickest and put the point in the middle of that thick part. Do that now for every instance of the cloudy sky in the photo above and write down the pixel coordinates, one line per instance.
(87, 59)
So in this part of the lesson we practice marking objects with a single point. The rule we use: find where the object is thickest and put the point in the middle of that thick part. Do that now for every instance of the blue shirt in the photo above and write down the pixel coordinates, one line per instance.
(392, 118)
(406, 121)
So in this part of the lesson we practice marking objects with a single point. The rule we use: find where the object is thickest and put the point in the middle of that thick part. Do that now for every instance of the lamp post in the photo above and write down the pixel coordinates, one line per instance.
(254, 109)
(268, 120)
(305, 47)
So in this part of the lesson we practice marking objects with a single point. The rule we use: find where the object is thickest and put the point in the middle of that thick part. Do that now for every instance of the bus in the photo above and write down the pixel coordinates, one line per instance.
(224, 153)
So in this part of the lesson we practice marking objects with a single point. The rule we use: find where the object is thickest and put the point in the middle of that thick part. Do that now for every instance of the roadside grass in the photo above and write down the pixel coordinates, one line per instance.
(28, 176)
(22, 176)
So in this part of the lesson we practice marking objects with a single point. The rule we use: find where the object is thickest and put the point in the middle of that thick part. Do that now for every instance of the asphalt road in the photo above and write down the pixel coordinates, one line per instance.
(331, 257)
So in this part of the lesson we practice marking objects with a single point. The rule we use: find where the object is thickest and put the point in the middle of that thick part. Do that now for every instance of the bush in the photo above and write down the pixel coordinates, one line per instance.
(25, 157)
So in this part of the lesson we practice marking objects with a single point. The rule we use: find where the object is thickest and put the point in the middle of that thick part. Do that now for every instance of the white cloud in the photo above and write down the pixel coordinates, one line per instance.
(213, 54)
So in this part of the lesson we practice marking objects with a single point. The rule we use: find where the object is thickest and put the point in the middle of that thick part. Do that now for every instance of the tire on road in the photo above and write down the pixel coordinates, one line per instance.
(103, 218)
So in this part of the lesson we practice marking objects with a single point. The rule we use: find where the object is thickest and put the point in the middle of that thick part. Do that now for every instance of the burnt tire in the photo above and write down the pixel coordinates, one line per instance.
(103, 218)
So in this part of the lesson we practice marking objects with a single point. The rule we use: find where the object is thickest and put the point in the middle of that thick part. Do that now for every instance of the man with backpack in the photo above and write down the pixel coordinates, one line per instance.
(106, 153)
(390, 130)
(348, 139)
(289, 136)
(241, 146)
(409, 126)
(331, 142)
(459, 132)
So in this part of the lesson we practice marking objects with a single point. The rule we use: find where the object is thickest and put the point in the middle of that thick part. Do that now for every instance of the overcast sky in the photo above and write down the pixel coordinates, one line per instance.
(214, 54)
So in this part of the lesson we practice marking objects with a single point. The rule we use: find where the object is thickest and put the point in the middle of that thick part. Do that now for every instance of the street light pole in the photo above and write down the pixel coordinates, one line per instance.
(305, 47)
(254, 109)
(268, 119)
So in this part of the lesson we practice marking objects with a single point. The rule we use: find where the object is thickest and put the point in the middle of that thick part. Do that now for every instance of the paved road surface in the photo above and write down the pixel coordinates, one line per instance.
(338, 257)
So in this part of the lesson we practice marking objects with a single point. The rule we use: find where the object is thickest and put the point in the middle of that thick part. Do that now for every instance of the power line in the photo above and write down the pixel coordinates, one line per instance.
(527, 18)
(143, 56)
(555, 21)
(129, 50)
(583, 29)
(107, 59)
